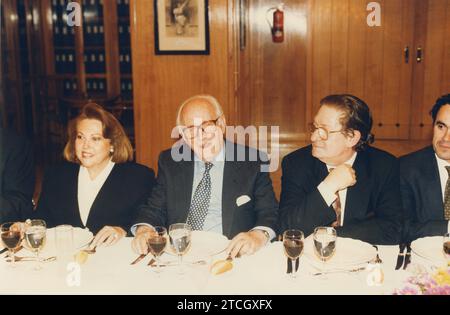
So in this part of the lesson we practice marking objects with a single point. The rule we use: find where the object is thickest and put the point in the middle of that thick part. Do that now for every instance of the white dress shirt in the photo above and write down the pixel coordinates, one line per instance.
(328, 194)
(443, 176)
(88, 189)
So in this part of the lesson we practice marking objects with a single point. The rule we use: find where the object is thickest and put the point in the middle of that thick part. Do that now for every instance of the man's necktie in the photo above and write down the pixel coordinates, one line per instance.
(337, 208)
(200, 201)
(447, 197)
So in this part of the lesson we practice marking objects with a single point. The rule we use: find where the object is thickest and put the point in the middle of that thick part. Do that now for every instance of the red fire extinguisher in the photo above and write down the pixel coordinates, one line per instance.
(277, 25)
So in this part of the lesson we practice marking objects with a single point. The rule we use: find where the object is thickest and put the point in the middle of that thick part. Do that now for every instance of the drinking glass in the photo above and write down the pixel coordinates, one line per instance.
(324, 243)
(180, 238)
(35, 234)
(293, 247)
(157, 243)
(64, 244)
(11, 237)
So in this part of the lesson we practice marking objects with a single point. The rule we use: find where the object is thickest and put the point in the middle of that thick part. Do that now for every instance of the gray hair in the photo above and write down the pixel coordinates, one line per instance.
(208, 98)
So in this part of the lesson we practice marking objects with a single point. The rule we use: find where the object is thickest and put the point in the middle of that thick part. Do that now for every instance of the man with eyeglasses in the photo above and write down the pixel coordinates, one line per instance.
(424, 180)
(212, 187)
(341, 181)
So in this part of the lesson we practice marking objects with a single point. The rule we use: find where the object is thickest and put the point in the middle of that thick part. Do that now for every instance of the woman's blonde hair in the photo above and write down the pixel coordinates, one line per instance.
(112, 130)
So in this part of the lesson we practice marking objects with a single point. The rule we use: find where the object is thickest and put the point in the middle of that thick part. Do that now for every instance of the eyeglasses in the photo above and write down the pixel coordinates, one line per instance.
(322, 132)
(208, 126)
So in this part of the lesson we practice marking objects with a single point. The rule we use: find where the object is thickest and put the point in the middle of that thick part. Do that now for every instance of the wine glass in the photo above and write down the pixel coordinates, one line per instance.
(35, 234)
(157, 243)
(293, 247)
(447, 247)
(180, 238)
(11, 237)
(324, 243)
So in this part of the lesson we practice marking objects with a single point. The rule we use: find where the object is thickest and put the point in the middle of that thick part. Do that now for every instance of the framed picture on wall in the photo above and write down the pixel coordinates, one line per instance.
(181, 27)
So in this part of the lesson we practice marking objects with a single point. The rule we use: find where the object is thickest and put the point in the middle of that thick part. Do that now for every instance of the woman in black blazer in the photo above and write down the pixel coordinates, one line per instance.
(99, 187)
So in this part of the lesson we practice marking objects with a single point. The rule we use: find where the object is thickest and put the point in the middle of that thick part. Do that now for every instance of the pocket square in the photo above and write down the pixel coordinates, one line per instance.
(242, 200)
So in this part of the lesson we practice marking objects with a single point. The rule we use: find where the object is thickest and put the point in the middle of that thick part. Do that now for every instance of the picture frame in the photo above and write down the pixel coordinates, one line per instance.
(181, 27)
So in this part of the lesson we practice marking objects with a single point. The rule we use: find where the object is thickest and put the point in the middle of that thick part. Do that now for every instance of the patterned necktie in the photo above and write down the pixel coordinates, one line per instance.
(447, 197)
(337, 208)
(200, 201)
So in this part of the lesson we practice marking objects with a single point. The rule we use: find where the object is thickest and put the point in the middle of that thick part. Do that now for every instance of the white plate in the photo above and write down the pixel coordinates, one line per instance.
(203, 245)
(349, 252)
(430, 248)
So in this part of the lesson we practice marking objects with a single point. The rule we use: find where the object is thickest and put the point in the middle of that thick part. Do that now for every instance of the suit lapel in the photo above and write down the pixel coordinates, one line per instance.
(185, 177)
(73, 194)
(432, 184)
(232, 172)
(359, 194)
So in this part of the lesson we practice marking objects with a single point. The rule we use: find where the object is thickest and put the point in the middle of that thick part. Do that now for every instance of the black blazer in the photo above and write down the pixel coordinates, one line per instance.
(422, 195)
(16, 177)
(171, 198)
(373, 210)
(127, 186)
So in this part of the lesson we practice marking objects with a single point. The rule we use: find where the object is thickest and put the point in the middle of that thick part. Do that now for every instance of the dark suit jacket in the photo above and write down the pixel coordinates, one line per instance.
(373, 209)
(16, 177)
(422, 195)
(171, 198)
(127, 186)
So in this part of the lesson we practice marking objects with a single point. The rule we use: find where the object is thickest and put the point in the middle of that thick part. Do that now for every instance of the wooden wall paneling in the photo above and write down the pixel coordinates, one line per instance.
(406, 71)
(429, 74)
(418, 130)
(373, 76)
(446, 62)
(162, 82)
(393, 44)
(339, 46)
(357, 29)
(321, 52)
(111, 48)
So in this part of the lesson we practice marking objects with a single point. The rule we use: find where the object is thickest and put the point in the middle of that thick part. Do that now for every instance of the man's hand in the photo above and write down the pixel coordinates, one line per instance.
(139, 242)
(341, 177)
(108, 235)
(247, 243)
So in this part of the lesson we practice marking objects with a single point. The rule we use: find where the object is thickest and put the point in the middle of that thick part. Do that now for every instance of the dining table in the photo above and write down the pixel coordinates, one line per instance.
(110, 271)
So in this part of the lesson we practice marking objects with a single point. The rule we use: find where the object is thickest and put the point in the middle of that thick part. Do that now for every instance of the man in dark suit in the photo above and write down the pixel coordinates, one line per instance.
(210, 183)
(424, 180)
(340, 180)
(16, 177)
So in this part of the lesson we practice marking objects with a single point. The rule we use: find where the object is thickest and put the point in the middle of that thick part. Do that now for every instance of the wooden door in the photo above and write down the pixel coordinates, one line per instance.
(272, 76)
(348, 56)
(432, 73)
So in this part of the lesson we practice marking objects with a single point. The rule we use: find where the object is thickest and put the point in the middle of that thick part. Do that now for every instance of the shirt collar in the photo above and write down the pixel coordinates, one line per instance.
(104, 173)
(441, 163)
(350, 161)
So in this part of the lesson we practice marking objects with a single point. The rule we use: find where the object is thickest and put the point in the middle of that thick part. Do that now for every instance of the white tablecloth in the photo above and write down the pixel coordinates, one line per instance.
(109, 272)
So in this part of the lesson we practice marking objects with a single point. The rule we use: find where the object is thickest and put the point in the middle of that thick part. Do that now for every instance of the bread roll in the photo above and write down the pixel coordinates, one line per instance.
(221, 266)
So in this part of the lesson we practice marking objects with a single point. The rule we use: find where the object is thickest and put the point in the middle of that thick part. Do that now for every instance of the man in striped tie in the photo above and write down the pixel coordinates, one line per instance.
(210, 183)
(424, 179)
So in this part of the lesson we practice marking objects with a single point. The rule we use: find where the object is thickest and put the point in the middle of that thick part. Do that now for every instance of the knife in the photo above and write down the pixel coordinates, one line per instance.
(3, 250)
(407, 256)
(400, 257)
(297, 263)
(140, 257)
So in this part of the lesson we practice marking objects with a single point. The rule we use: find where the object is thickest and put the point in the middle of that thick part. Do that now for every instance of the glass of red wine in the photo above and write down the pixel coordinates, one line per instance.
(157, 243)
(293, 247)
(11, 237)
(447, 247)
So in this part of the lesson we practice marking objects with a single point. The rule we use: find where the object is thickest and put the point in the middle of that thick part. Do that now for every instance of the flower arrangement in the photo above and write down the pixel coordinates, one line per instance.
(437, 283)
